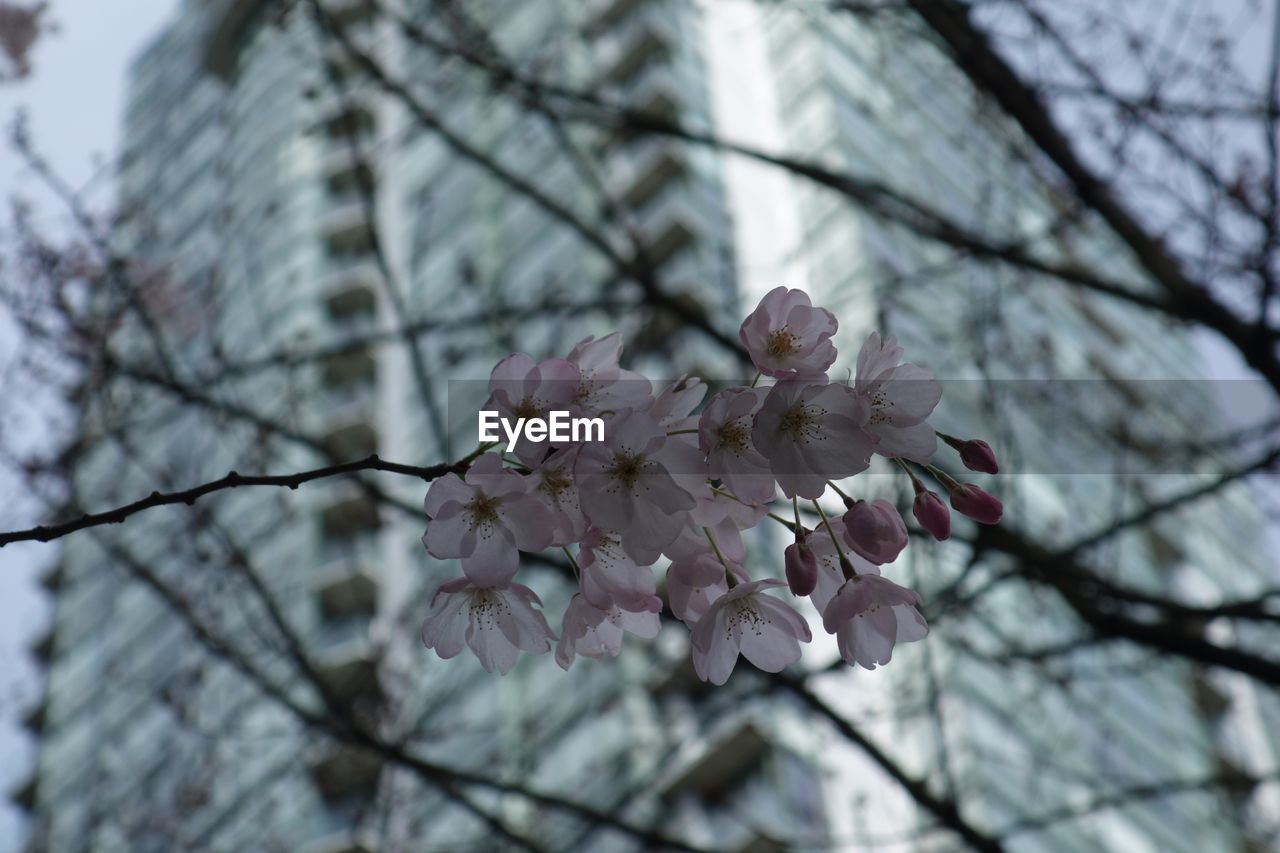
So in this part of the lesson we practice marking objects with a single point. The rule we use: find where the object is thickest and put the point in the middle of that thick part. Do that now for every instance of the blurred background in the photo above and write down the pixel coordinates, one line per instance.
(265, 235)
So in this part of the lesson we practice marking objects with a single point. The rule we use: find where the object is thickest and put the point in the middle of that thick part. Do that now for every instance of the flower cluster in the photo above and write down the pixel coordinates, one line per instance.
(679, 486)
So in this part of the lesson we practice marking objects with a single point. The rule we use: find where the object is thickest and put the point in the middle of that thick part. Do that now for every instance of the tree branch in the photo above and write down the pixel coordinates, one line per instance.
(233, 480)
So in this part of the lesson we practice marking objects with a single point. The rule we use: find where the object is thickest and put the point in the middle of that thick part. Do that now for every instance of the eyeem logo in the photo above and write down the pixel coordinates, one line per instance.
(557, 426)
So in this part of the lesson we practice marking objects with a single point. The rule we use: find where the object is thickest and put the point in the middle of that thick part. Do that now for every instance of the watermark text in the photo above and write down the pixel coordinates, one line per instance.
(558, 426)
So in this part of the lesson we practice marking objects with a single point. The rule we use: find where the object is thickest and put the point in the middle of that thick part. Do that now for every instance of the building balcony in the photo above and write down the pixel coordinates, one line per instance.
(356, 366)
(346, 589)
(348, 175)
(354, 440)
(229, 20)
(340, 841)
(352, 300)
(42, 647)
(668, 223)
(338, 156)
(346, 662)
(34, 720)
(639, 40)
(601, 15)
(351, 286)
(348, 231)
(1211, 702)
(670, 238)
(344, 406)
(52, 579)
(350, 118)
(643, 169)
(352, 13)
(649, 88)
(762, 844)
(721, 765)
(350, 512)
(24, 796)
(341, 771)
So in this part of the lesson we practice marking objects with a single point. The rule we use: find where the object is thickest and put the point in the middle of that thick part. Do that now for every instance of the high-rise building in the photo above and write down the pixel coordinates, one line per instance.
(1068, 735)
(315, 255)
(281, 211)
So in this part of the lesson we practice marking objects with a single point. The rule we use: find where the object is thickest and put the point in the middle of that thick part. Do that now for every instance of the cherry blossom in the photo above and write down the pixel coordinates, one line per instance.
(811, 434)
(553, 485)
(720, 516)
(900, 396)
(496, 622)
(868, 615)
(600, 385)
(746, 621)
(932, 513)
(626, 485)
(519, 387)
(801, 565)
(673, 407)
(968, 499)
(787, 337)
(610, 578)
(693, 583)
(875, 531)
(826, 547)
(975, 453)
(724, 434)
(588, 630)
(486, 520)
(676, 478)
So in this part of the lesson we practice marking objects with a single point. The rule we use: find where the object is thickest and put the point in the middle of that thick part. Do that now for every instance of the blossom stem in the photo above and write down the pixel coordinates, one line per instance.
(789, 525)
(845, 565)
(516, 464)
(757, 379)
(728, 575)
(948, 482)
(681, 431)
(478, 452)
(731, 496)
(905, 467)
(915, 481)
(839, 491)
(577, 572)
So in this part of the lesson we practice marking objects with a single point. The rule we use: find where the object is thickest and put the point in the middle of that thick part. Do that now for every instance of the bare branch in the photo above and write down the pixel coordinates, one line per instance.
(233, 480)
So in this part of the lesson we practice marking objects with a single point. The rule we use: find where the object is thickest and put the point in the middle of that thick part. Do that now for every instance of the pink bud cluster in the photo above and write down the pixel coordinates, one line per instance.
(676, 485)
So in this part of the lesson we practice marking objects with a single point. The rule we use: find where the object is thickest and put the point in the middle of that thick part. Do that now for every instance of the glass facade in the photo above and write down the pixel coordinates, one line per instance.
(1024, 741)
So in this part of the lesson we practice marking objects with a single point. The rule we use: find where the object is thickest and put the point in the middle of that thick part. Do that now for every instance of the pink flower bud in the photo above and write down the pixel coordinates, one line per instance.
(932, 514)
(875, 531)
(968, 499)
(977, 455)
(801, 565)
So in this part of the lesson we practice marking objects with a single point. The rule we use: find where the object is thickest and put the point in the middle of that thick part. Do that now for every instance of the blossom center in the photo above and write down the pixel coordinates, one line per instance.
(487, 606)
(627, 468)
(585, 395)
(878, 406)
(734, 436)
(802, 423)
(483, 510)
(781, 342)
(555, 483)
(742, 615)
(527, 408)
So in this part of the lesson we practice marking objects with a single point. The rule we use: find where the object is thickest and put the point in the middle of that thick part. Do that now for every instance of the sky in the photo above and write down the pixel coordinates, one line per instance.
(75, 101)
